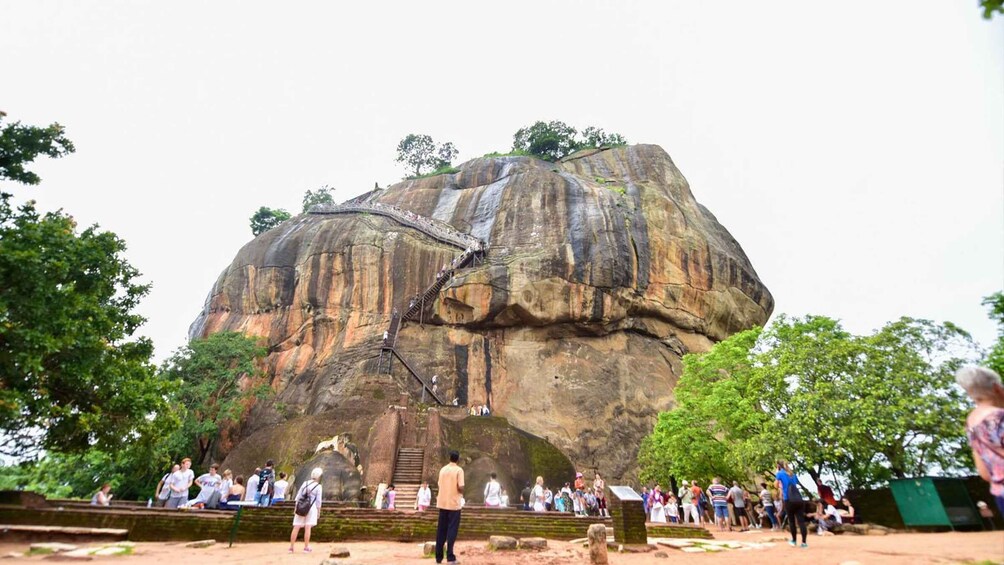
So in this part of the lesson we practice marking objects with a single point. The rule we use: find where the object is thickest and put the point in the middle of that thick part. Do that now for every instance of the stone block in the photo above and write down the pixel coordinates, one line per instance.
(51, 547)
(429, 548)
(692, 549)
(75, 555)
(502, 543)
(201, 543)
(597, 535)
(660, 554)
(532, 543)
(343, 551)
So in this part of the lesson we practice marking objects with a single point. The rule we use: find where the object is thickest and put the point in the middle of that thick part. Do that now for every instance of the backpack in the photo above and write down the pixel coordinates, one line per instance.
(792, 492)
(304, 502)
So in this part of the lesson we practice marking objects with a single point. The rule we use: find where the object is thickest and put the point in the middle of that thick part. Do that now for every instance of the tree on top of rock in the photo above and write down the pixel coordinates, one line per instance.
(554, 140)
(420, 153)
(267, 218)
(323, 195)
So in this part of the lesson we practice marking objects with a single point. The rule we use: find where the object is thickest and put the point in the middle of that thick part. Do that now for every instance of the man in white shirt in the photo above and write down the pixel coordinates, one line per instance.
(180, 481)
(252, 486)
(279, 489)
(210, 484)
(827, 519)
(736, 496)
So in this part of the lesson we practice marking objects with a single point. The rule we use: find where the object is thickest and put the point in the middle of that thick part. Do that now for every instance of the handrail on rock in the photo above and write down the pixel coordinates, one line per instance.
(437, 230)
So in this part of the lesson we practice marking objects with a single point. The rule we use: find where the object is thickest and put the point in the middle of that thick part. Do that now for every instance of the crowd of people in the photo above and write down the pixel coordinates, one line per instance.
(263, 487)
(737, 507)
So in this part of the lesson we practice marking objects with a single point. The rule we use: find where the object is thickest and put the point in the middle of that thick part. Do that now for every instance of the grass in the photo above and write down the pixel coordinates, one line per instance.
(447, 170)
(513, 153)
(39, 551)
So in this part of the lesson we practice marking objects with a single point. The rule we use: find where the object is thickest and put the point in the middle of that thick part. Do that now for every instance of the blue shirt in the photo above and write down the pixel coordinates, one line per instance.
(786, 480)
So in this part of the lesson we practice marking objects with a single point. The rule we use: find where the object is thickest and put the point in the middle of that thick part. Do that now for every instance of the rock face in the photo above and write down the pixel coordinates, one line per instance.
(602, 271)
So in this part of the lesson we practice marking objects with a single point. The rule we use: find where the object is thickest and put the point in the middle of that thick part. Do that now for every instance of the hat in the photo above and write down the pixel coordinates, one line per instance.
(686, 483)
(577, 475)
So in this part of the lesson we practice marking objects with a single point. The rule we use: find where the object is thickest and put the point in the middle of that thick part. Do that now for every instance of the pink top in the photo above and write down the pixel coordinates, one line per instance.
(391, 495)
(987, 439)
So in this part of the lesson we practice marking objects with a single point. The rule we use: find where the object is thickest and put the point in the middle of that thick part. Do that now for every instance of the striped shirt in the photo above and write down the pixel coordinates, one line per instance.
(718, 494)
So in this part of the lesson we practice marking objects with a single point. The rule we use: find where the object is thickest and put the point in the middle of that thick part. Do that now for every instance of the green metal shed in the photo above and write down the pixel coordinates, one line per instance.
(935, 501)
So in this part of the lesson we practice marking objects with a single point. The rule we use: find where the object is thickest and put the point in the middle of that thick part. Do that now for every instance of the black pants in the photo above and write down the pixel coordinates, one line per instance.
(796, 513)
(446, 533)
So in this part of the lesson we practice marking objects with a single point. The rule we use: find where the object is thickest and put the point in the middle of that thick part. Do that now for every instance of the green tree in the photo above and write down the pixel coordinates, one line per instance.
(554, 140)
(71, 374)
(21, 144)
(992, 7)
(420, 153)
(323, 195)
(217, 378)
(995, 359)
(267, 218)
(863, 408)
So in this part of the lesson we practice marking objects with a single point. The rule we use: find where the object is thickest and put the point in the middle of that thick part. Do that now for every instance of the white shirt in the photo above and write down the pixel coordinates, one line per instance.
(210, 483)
(424, 496)
(252, 487)
(182, 478)
(832, 512)
(493, 492)
(279, 488)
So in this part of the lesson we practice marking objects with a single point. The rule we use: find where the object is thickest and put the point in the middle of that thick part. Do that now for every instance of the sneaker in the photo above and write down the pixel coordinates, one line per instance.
(804, 545)
(791, 543)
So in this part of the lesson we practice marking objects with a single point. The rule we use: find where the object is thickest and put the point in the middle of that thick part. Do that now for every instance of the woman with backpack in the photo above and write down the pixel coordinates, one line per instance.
(306, 510)
(794, 506)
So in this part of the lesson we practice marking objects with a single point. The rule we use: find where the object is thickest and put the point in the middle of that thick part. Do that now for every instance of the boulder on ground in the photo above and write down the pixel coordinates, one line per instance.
(429, 548)
(339, 552)
(201, 543)
(502, 543)
(532, 543)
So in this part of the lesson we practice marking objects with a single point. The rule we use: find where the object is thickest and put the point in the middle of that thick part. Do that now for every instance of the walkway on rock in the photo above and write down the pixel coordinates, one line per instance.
(432, 228)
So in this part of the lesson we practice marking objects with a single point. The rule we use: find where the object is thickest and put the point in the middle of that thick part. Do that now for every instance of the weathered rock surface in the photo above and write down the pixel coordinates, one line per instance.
(502, 543)
(603, 270)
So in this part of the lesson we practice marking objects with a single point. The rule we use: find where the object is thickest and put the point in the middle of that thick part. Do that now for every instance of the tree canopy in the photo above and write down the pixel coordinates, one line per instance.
(323, 195)
(217, 379)
(71, 373)
(995, 358)
(267, 218)
(864, 408)
(21, 144)
(554, 140)
(420, 153)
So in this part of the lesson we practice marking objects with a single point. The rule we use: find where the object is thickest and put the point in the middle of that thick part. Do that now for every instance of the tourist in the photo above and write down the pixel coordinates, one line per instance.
(719, 493)
(548, 499)
(252, 486)
(847, 512)
(451, 490)
(537, 496)
(577, 504)
(559, 502)
(266, 484)
(493, 492)
(671, 509)
(657, 514)
(312, 491)
(180, 482)
(699, 502)
(385, 336)
(504, 499)
(225, 485)
(485, 411)
(209, 483)
(524, 497)
(236, 493)
(280, 488)
(687, 502)
(985, 426)
(739, 498)
(794, 507)
(599, 488)
(164, 488)
(424, 498)
(580, 483)
(103, 497)
(644, 499)
(827, 517)
(390, 497)
(768, 505)
(592, 506)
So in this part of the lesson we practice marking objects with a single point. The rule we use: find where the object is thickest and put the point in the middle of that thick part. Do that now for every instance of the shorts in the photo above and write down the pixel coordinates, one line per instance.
(721, 511)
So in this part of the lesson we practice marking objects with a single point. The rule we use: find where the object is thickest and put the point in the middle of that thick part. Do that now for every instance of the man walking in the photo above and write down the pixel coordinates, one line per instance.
(738, 496)
(180, 481)
(451, 489)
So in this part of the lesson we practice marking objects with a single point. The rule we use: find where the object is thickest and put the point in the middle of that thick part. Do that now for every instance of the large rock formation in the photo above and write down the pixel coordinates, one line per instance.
(602, 271)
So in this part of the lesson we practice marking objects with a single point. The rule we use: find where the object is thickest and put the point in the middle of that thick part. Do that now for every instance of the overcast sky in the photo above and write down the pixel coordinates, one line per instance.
(855, 150)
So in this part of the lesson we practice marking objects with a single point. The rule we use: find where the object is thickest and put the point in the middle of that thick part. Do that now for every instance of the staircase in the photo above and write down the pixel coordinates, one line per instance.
(407, 476)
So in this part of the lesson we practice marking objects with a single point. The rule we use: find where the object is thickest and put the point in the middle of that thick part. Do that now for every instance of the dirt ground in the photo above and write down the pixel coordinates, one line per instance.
(914, 548)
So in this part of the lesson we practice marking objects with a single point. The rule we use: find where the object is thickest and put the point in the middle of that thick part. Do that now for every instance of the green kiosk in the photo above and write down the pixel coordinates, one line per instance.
(935, 501)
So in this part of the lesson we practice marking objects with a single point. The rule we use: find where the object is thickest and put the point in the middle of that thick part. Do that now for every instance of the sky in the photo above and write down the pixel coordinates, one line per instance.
(855, 150)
